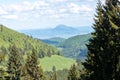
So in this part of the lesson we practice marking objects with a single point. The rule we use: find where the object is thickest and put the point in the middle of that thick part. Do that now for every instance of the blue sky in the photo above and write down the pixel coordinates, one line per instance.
(41, 14)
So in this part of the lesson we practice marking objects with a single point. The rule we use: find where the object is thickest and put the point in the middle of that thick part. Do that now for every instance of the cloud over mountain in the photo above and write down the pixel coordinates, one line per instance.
(43, 10)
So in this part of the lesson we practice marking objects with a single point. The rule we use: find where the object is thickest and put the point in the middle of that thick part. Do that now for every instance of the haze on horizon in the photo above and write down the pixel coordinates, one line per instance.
(41, 14)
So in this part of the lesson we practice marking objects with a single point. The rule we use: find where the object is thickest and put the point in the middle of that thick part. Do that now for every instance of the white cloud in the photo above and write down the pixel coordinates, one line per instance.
(16, 8)
(62, 10)
(2, 11)
(45, 7)
(39, 4)
(90, 0)
(10, 16)
(85, 8)
(103, 1)
(74, 8)
(56, 1)
(54, 9)
(58, 16)
(24, 6)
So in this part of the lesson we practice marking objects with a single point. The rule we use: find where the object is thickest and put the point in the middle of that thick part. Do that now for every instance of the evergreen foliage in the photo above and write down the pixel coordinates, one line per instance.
(14, 64)
(73, 73)
(54, 73)
(33, 70)
(75, 46)
(23, 42)
(1, 28)
(102, 61)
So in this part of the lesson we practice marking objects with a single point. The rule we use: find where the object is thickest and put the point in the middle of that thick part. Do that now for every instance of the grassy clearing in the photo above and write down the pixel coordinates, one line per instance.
(59, 62)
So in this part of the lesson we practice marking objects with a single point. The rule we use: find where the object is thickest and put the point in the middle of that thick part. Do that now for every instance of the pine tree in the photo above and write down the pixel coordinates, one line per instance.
(1, 28)
(113, 9)
(53, 75)
(73, 73)
(14, 64)
(102, 62)
(34, 72)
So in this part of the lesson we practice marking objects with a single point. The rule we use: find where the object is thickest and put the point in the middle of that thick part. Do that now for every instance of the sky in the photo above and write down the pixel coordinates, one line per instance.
(42, 14)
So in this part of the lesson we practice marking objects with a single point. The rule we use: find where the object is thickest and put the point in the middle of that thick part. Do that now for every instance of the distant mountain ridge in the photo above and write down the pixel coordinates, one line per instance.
(63, 27)
(53, 41)
(62, 31)
(74, 46)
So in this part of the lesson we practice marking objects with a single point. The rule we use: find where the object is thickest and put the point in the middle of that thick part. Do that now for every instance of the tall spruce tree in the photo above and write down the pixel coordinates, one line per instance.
(113, 10)
(54, 73)
(1, 28)
(33, 70)
(102, 62)
(14, 64)
(73, 73)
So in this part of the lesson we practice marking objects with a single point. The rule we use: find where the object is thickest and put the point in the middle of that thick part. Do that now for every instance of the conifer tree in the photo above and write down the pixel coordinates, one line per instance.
(53, 75)
(14, 64)
(102, 62)
(113, 10)
(73, 73)
(33, 70)
(1, 27)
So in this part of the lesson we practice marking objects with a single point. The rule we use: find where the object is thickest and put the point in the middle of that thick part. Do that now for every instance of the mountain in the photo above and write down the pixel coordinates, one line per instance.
(24, 42)
(47, 54)
(53, 41)
(75, 46)
(62, 31)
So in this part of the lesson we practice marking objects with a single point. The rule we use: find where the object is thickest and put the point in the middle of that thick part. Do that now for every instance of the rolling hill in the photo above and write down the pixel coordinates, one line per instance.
(59, 62)
(61, 30)
(47, 54)
(53, 41)
(24, 42)
(75, 46)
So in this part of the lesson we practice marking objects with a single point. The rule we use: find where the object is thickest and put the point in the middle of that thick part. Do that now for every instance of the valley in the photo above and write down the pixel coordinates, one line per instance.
(59, 39)
(49, 51)
(73, 47)
(61, 31)
(71, 42)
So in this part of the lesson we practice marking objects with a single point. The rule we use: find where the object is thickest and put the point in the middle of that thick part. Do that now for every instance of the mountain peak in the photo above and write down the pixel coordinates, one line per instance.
(63, 27)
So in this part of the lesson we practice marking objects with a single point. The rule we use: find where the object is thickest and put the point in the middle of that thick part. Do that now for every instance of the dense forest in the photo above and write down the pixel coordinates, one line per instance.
(25, 43)
(19, 56)
(73, 47)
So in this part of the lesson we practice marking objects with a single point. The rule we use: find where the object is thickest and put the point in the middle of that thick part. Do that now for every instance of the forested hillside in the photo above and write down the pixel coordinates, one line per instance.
(53, 41)
(75, 46)
(25, 58)
(24, 42)
(20, 54)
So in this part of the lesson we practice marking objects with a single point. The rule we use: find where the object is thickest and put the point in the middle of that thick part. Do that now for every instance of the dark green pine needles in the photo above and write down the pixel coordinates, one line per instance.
(14, 64)
(103, 59)
(33, 70)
